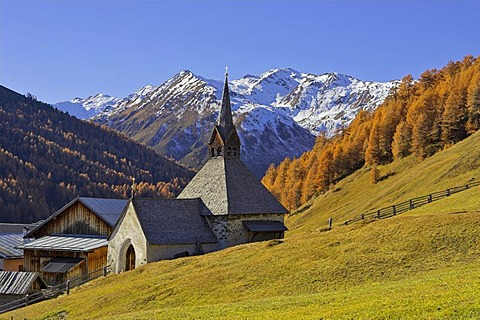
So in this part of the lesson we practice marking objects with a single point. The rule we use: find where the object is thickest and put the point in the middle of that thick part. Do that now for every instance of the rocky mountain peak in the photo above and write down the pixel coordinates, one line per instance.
(278, 113)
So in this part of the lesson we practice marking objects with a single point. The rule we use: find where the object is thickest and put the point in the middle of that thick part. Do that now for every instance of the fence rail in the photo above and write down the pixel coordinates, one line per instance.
(54, 291)
(402, 207)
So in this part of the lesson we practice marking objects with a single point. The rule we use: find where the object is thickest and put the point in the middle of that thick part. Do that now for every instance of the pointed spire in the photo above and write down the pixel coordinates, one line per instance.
(224, 140)
(225, 120)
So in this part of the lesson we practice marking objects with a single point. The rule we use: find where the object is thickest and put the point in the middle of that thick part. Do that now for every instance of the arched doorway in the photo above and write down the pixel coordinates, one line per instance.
(130, 258)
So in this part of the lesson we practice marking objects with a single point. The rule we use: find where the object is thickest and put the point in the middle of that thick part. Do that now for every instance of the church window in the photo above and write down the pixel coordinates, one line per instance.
(219, 151)
(234, 152)
(229, 153)
(212, 151)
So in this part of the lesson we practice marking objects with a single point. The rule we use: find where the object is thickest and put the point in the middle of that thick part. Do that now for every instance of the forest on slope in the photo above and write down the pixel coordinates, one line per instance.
(48, 158)
(421, 118)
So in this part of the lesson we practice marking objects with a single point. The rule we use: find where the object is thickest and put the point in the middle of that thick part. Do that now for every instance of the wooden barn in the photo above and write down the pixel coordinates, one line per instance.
(73, 241)
(16, 285)
(63, 257)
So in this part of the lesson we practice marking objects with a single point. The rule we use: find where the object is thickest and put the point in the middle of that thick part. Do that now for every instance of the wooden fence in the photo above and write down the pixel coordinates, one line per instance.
(54, 291)
(410, 204)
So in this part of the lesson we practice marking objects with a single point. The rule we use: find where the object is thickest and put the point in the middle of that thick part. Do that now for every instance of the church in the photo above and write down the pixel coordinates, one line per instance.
(222, 206)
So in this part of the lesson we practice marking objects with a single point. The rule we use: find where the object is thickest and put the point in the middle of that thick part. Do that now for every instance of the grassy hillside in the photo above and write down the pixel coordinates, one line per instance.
(421, 264)
(400, 181)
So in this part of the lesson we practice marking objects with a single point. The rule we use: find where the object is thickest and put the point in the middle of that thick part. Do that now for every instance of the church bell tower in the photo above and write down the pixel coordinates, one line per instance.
(224, 141)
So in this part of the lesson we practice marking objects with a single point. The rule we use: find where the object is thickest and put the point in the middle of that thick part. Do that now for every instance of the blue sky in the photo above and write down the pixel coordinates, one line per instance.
(59, 50)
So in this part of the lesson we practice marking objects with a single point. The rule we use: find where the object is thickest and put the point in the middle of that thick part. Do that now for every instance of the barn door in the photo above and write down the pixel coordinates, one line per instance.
(130, 259)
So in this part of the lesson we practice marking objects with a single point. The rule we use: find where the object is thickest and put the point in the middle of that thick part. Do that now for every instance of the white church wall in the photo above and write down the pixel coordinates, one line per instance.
(127, 231)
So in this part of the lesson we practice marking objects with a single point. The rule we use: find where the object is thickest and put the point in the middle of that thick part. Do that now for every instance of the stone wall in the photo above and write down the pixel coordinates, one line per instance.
(230, 230)
(218, 224)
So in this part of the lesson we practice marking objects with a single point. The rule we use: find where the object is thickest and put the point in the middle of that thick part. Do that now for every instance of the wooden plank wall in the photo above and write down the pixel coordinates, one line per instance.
(77, 219)
(97, 259)
(35, 260)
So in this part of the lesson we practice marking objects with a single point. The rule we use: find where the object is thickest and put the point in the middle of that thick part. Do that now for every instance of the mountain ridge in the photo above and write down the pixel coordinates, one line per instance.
(291, 109)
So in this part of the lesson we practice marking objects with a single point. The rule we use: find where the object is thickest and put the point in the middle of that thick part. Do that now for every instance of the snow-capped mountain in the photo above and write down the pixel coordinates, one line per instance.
(318, 103)
(278, 113)
(87, 108)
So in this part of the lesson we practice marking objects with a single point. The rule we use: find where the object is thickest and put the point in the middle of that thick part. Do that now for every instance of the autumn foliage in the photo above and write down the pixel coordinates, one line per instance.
(48, 158)
(420, 117)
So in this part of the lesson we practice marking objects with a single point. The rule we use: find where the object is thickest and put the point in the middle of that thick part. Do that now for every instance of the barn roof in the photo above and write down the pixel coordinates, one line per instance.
(227, 186)
(14, 282)
(173, 221)
(61, 264)
(8, 243)
(74, 243)
(109, 210)
(17, 227)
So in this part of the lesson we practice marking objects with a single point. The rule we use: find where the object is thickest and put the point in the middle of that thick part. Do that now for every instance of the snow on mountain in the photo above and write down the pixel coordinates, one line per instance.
(87, 108)
(269, 87)
(268, 136)
(278, 113)
(318, 103)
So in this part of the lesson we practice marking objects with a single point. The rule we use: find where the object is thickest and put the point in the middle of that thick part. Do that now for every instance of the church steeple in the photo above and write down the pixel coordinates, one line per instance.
(225, 120)
(224, 141)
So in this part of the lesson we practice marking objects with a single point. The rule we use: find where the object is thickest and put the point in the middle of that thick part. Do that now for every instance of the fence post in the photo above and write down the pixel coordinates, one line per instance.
(466, 187)
(67, 286)
(105, 271)
(429, 198)
(412, 206)
(330, 221)
(378, 214)
(394, 210)
(26, 299)
(448, 192)
(363, 216)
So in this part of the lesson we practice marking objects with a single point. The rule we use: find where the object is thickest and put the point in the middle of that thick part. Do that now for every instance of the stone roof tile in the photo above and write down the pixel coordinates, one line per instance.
(227, 186)
(174, 221)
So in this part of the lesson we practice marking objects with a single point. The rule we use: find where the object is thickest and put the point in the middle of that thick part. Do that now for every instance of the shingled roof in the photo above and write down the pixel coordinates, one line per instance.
(174, 221)
(227, 186)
